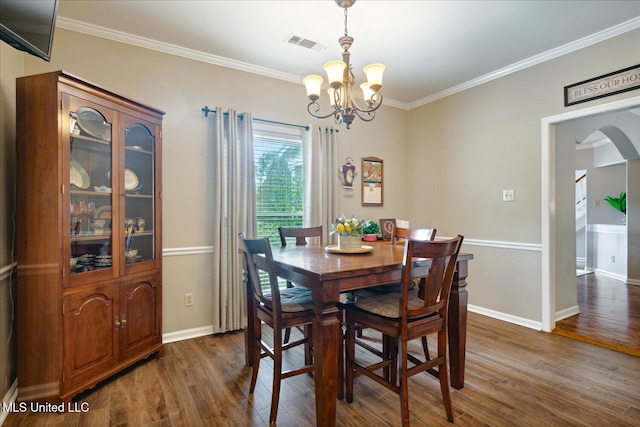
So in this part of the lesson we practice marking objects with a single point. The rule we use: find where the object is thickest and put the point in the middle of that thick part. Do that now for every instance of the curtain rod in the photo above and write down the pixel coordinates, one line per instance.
(207, 110)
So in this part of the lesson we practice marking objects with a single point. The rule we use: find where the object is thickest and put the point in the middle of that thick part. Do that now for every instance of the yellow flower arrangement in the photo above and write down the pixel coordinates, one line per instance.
(345, 226)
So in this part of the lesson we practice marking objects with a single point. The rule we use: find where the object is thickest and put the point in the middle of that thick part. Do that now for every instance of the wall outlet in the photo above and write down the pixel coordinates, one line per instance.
(613, 258)
(508, 195)
(188, 300)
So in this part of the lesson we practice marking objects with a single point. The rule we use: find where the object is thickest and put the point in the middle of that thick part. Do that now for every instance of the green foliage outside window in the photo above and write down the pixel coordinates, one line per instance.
(279, 187)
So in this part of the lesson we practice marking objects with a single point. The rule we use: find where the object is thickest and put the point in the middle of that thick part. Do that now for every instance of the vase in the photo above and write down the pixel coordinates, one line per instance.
(349, 242)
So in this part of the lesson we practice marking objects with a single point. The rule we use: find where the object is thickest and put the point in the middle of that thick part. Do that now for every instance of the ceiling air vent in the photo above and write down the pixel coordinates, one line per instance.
(301, 41)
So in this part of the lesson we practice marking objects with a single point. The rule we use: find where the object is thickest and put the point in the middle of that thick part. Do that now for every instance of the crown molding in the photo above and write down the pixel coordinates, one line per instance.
(119, 36)
(171, 49)
(598, 37)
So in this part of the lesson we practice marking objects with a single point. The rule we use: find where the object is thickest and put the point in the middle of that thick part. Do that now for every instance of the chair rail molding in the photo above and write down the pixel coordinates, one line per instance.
(196, 250)
(535, 247)
(7, 270)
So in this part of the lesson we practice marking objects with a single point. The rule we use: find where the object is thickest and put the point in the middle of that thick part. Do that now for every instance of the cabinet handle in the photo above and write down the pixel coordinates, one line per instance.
(118, 324)
(124, 322)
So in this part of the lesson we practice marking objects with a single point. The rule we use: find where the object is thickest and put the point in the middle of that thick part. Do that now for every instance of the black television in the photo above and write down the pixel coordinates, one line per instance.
(28, 25)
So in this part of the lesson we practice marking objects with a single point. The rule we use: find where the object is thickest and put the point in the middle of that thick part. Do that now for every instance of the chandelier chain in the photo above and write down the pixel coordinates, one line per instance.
(345, 22)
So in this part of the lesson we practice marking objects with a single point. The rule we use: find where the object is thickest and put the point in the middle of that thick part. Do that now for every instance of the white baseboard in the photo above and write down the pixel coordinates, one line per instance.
(610, 274)
(567, 312)
(10, 397)
(521, 321)
(187, 334)
(527, 323)
(635, 282)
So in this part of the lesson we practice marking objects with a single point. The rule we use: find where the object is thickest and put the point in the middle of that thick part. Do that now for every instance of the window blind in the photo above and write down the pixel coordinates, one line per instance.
(279, 178)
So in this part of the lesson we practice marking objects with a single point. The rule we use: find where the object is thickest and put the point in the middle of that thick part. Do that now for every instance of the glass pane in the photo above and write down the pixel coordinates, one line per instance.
(139, 187)
(279, 185)
(90, 190)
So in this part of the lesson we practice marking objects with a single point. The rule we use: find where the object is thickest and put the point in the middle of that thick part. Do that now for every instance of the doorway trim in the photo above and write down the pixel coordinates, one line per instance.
(548, 198)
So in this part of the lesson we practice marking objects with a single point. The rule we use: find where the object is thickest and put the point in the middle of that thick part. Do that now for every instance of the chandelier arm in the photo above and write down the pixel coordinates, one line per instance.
(317, 110)
(371, 107)
(370, 115)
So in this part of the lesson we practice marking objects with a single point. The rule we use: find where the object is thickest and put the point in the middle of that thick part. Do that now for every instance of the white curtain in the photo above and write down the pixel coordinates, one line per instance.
(321, 184)
(234, 212)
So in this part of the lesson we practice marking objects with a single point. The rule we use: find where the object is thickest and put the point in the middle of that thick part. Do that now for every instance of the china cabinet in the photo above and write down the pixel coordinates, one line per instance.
(89, 234)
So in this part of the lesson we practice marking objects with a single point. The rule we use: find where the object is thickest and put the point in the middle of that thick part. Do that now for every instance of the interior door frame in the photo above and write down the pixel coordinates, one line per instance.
(548, 198)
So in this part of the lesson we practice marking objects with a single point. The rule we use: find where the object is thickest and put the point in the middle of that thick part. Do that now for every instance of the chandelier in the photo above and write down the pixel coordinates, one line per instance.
(342, 82)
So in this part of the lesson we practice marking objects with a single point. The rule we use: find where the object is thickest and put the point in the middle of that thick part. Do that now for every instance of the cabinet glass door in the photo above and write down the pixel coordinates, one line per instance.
(90, 195)
(139, 190)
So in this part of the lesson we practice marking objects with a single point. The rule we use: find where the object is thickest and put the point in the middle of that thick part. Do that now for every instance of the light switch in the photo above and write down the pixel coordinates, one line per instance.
(508, 195)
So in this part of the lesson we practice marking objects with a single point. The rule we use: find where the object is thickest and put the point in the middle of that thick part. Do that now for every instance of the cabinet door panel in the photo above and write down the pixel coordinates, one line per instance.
(91, 198)
(141, 313)
(141, 187)
(90, 334)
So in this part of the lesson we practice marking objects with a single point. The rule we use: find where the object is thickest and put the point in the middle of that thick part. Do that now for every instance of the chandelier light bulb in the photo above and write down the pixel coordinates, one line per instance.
(332, 99)
(313, 84)
(335, 73)
(374, 75)
(367, 93)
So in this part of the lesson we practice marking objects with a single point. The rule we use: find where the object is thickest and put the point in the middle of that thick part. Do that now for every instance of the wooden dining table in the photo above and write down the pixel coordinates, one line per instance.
(329, 274)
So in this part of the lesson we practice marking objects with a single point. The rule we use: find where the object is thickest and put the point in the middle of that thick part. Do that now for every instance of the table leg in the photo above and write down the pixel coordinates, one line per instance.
(458, 325)
(327, 335)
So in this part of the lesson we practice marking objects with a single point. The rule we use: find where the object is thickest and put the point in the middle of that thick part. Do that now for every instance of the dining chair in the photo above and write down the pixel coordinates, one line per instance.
(398, 234)
(403, 317)
(300, 234)
(278, 308)
(402, 233)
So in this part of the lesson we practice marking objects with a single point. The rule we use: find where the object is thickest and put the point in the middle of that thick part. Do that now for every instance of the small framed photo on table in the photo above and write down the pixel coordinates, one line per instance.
(386, 227)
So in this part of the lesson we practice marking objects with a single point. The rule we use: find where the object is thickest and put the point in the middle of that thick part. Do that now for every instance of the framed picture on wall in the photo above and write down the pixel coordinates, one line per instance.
(372, 182)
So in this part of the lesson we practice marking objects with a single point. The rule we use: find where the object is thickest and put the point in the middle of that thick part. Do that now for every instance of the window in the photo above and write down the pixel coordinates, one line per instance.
(279, 178)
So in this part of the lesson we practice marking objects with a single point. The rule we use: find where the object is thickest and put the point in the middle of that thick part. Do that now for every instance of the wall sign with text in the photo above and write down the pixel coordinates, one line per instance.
(606, 85)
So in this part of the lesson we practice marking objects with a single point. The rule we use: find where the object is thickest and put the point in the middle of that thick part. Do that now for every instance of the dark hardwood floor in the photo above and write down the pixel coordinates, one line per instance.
(515, 376)
(609, 314)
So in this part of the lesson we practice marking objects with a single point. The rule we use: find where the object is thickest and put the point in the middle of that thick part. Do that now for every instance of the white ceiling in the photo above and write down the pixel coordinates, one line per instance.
(430, 48)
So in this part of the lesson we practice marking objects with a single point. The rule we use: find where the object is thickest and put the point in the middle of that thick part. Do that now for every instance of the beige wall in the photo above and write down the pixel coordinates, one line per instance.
(446, 163)
(465, 149)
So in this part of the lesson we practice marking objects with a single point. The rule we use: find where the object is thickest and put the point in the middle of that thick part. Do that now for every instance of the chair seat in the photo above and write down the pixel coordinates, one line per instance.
(294, 300)
(385, 289)
(385, 305)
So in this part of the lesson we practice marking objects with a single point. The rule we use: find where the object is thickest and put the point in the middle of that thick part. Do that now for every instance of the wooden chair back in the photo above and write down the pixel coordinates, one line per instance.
(259, 258)
(436, 287)
(416, 233)
(300, 233)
